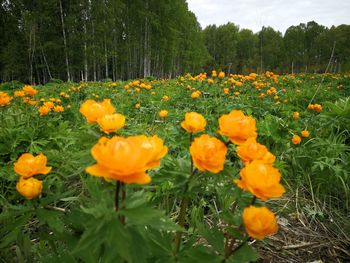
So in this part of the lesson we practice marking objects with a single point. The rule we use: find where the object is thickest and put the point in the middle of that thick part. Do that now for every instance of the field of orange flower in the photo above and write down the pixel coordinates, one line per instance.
(187, 170)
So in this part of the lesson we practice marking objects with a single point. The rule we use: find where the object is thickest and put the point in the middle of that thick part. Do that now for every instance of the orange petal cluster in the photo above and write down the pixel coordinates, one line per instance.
(261, 179)
(27, 165)
(252, 150)
(111, 122)
(259, 222)
(237, 126)
(208, 153)
(127, 159)
(93, 110)
(29, 188)
(194, 122)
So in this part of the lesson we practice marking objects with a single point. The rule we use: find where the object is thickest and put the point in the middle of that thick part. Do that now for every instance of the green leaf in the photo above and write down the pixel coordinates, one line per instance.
(214, 237)
(52, 218)
(244, 254)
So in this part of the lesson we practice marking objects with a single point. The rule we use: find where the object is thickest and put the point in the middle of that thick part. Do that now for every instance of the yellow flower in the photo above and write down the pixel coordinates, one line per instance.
(44, 110)
(195, 95)
(237, 126)
(305, 133)
(93, 110)
(259, 222)
(251, 150)
(214, 74)
(29, 90)
(296, 139)
(194, 122)
(221, 75)
(111, 123)
(49, 104)
(295, 115)
(261, 179)
(317, 107)
(127, 159)
(27, 165)
(58, 109)
(163, 113)
(5, 99)
(29, 188)
(165, 98)
(137, 105)
(19, 93)
(208, 153)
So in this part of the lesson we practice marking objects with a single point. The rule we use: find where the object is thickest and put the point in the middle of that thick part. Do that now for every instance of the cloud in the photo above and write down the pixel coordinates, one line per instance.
(254, 14)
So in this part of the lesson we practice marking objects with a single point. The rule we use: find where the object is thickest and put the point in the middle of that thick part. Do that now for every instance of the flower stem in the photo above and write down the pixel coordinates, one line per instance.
(183, 207)
(116, 196)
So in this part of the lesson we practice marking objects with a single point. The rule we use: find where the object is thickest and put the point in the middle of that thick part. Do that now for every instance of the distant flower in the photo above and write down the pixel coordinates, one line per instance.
(296, 139)
(29, 90)
(259, 222)
(27, 165)
(163, 113)
(295, 115)
(137, 105)
(305, 133)
(58, 108)
(5, 99)
(165, 98)
(208, 153)
(194, 122)
(195, 94)
(19, 93)
(44, 110)
(221, 75)
(214, 74)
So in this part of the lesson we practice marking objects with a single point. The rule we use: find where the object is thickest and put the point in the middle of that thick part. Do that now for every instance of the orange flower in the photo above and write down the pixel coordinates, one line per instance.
(112, 122)
(93, 110)
(163, 113)
(194, 122)
(19, 93)
(259, 222)
(27, 165)
(237, 126)
(49, 104)
(305, 133)
(208, 153)
(221, 75)
(165, 98)
(296, 139)
(214, 74)
(127, 159)
(44, 110)
(195, 95)
(295, 115)
(29, 90)
(317, 107)
(261, 179)
(5, 99)
(58, 109)
(251, 150)
(29, 188)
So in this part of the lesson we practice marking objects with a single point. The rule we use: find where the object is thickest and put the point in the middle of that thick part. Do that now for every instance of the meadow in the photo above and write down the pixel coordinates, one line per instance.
(154, 182)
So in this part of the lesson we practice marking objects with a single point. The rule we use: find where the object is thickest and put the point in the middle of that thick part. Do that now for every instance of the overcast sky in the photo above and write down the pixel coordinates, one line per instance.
(279, 14)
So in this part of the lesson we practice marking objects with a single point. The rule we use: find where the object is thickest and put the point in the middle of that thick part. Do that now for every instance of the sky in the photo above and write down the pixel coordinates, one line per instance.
(279, 14)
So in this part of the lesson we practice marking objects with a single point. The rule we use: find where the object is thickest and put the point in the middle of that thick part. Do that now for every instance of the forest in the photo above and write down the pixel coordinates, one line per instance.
(90, 40)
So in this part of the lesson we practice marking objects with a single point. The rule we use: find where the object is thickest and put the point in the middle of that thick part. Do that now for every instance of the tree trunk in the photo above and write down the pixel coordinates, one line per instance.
(65, 42)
